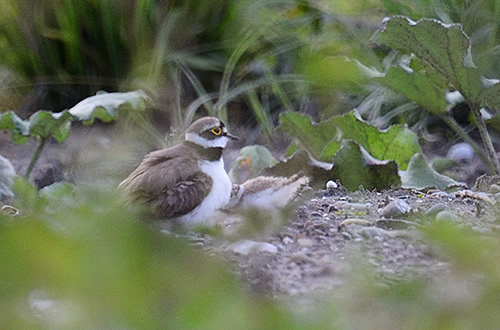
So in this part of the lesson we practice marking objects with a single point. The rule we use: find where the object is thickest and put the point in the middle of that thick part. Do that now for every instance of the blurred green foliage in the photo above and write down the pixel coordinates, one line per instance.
(242, 57)
(102, 268)
(222, 55)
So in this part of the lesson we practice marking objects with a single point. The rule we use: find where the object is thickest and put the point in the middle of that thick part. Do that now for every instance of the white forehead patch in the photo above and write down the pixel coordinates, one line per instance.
(219, 142)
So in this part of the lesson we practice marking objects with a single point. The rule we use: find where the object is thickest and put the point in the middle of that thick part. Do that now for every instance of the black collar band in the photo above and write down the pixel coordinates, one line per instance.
(210, 154)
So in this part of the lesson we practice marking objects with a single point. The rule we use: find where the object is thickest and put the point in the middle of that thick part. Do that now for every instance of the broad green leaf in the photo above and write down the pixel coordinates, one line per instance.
(490, 98)
(104, 106)
(41, 124)
(332, 72)
(19, 128)
(420, 175)
(57, 190)
(10, 121)
(312, 137)
(27, 199)
(354, 167)
(424, 87)
(44, 124)
(323, 140)
(445, 49)
(397, 143)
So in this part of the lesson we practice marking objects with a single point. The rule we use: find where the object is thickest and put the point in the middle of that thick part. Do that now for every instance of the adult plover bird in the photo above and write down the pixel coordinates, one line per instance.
(186, 183)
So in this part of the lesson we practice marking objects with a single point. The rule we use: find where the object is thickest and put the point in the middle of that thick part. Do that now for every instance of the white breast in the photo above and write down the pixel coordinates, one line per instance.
(217, 198)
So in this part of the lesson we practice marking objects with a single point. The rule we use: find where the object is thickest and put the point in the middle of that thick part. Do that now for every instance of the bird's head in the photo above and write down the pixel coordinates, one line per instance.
(209, 132)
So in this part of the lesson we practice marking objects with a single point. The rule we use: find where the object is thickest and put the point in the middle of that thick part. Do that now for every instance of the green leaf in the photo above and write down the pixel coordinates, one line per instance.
(424, 87)
(445, 48)
(57, 190)
(354, 167)
(312, 137)
(323, 140)
(26, 196)
(104, 106)
(397, 143)
(19, 128)
(420, 175)
(490, 97)
(44, 124)
(332, 72)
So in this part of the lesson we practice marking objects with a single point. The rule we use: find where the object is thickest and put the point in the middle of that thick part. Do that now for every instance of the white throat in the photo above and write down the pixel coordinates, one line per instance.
(219, 142)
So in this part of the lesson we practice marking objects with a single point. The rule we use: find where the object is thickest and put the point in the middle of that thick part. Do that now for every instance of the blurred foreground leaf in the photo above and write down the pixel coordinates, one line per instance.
(91, 264)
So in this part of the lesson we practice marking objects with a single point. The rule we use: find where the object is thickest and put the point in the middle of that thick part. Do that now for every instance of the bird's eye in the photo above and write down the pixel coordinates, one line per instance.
(216, 131)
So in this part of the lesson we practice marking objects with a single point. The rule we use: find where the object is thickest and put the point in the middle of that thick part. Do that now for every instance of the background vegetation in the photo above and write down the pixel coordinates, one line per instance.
(77, 259)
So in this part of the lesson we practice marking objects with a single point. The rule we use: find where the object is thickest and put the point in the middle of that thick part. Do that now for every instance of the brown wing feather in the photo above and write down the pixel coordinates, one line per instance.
(169, 195)
(184, 197)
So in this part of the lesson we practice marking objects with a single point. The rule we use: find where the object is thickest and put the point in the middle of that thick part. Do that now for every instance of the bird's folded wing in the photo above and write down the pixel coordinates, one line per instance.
(171, 186)
(182, 198)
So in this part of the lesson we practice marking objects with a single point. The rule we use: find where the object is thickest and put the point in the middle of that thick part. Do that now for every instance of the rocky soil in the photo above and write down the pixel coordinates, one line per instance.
(335, 229)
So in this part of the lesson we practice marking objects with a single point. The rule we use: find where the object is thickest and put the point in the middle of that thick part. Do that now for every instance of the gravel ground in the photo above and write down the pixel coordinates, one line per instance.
(316, 250)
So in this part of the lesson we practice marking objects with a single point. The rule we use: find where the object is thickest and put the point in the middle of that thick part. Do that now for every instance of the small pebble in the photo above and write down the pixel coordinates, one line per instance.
(357, 207)
(331, 184)
(245, 247)
(394, 224)
(440, 194)
(461, 152)
(371, 232)
(435, 209)
(305, 242)
(395, 209)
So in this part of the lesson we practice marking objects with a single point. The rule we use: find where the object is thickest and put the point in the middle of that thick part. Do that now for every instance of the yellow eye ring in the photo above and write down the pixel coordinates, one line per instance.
(216, 131)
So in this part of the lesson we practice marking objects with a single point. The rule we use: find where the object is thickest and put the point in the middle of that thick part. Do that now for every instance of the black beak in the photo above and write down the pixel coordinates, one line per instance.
(232, 137)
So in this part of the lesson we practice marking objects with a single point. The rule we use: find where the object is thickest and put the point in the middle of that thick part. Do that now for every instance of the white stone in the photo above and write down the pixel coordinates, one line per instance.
(246, 247)
(331, 184)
